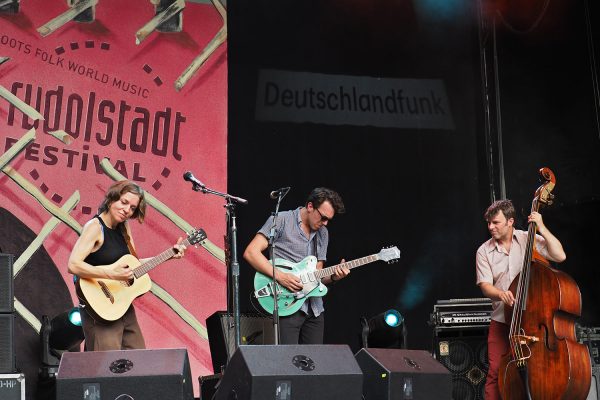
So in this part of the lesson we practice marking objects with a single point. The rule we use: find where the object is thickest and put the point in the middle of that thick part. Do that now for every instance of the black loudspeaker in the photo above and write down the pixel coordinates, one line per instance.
(255, 329)
(125, 374)
(464, 352)
(403, 374)
(208, 386)
(291, 372)
(7, 343)
(6, 283)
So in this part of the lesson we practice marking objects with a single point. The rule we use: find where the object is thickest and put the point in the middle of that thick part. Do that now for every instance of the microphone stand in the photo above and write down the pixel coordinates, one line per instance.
(233, 270)
(274, 287)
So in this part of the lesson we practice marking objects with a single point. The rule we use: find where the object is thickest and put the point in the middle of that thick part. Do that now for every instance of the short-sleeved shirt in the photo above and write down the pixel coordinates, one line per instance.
(498, 267)
(291, 244)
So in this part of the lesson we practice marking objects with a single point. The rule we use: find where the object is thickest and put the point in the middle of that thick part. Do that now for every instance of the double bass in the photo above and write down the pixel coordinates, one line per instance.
(544, 360)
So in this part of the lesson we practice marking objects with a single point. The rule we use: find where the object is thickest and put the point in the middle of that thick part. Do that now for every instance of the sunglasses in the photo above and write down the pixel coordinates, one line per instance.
(323, 218)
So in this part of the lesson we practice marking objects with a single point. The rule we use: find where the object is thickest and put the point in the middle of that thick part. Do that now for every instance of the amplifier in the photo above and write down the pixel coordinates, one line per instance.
(591, 338)
(464, 318)
(471, 300)
(463, 350)
(461, 312)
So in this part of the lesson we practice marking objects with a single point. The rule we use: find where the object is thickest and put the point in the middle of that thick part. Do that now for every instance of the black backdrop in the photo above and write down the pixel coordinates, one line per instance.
(422, 190)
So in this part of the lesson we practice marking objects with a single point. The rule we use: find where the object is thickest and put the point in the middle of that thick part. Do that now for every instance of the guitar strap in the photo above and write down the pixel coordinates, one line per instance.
(128, 239)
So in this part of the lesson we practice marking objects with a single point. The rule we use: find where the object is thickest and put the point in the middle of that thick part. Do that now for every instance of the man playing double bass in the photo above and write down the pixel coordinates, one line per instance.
(499, 260)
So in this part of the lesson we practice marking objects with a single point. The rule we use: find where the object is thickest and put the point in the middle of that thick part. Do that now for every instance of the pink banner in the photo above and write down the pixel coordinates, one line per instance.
(117, 99)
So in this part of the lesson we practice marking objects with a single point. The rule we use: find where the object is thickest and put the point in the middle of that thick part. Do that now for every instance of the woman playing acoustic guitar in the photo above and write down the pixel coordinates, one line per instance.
(99, 255)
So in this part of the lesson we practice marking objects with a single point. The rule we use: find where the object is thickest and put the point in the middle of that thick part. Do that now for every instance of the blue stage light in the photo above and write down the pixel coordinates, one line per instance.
(64, 332)
(440, 10)
(392, 318)
(58, 335)
(385, 330)
(75, 316)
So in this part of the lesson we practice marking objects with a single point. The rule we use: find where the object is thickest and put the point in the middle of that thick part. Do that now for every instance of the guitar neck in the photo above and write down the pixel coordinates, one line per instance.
(349, 264)
(156, 261)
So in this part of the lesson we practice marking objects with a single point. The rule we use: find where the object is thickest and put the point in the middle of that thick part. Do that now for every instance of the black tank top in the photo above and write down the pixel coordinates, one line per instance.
(113, 248)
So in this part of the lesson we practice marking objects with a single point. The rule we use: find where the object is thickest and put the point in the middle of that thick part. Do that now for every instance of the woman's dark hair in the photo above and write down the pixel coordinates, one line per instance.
(321, 194)
(115, 192)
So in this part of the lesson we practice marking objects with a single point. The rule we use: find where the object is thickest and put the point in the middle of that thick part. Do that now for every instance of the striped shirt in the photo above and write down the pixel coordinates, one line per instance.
(291, 244)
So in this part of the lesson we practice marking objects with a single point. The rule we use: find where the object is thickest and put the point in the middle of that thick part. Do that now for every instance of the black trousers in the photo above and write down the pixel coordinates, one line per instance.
(302, 328)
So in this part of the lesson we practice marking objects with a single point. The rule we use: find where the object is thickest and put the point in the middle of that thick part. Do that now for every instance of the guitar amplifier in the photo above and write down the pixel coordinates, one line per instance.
(591, 338)
(460, 328)
(461, 313)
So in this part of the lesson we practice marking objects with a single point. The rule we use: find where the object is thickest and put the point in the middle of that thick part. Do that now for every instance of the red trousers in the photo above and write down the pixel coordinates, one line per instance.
(498, 345)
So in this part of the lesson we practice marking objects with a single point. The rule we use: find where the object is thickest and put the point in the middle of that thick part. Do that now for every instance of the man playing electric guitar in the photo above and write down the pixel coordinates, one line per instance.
(300, 233)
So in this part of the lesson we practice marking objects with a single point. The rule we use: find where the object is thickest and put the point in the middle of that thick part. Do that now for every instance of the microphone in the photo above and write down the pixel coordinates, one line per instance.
(281, 191)
(188, 176)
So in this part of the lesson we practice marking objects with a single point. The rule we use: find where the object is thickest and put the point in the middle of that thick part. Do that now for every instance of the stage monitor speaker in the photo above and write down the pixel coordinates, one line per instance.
(7, 344)
(464, 352)
(291, 372)
(403, 374)
(6, 283)
(125, 374)
(255, 329)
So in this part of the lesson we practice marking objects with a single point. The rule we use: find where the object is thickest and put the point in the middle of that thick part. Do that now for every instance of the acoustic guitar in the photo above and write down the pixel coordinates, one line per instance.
(108, 299)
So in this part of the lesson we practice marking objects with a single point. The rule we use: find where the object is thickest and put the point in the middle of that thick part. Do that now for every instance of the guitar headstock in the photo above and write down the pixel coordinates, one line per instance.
(196, 236)
(389, 254)
(543, 195)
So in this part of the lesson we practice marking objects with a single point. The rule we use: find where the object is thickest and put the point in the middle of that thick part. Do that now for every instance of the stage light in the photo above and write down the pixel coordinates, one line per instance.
(441, 10)
(57, 335)
(392, 318)
(385, 330)
(66, 331)
(75, 316)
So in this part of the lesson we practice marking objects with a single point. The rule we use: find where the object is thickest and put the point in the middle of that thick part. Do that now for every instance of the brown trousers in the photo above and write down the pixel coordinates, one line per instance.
(122, 334)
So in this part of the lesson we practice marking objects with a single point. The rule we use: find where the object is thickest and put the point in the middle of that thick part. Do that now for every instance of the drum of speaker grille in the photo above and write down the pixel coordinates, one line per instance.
(460, 357)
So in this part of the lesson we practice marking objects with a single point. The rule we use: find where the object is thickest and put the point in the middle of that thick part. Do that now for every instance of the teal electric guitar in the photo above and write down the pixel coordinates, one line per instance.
(290, 302)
